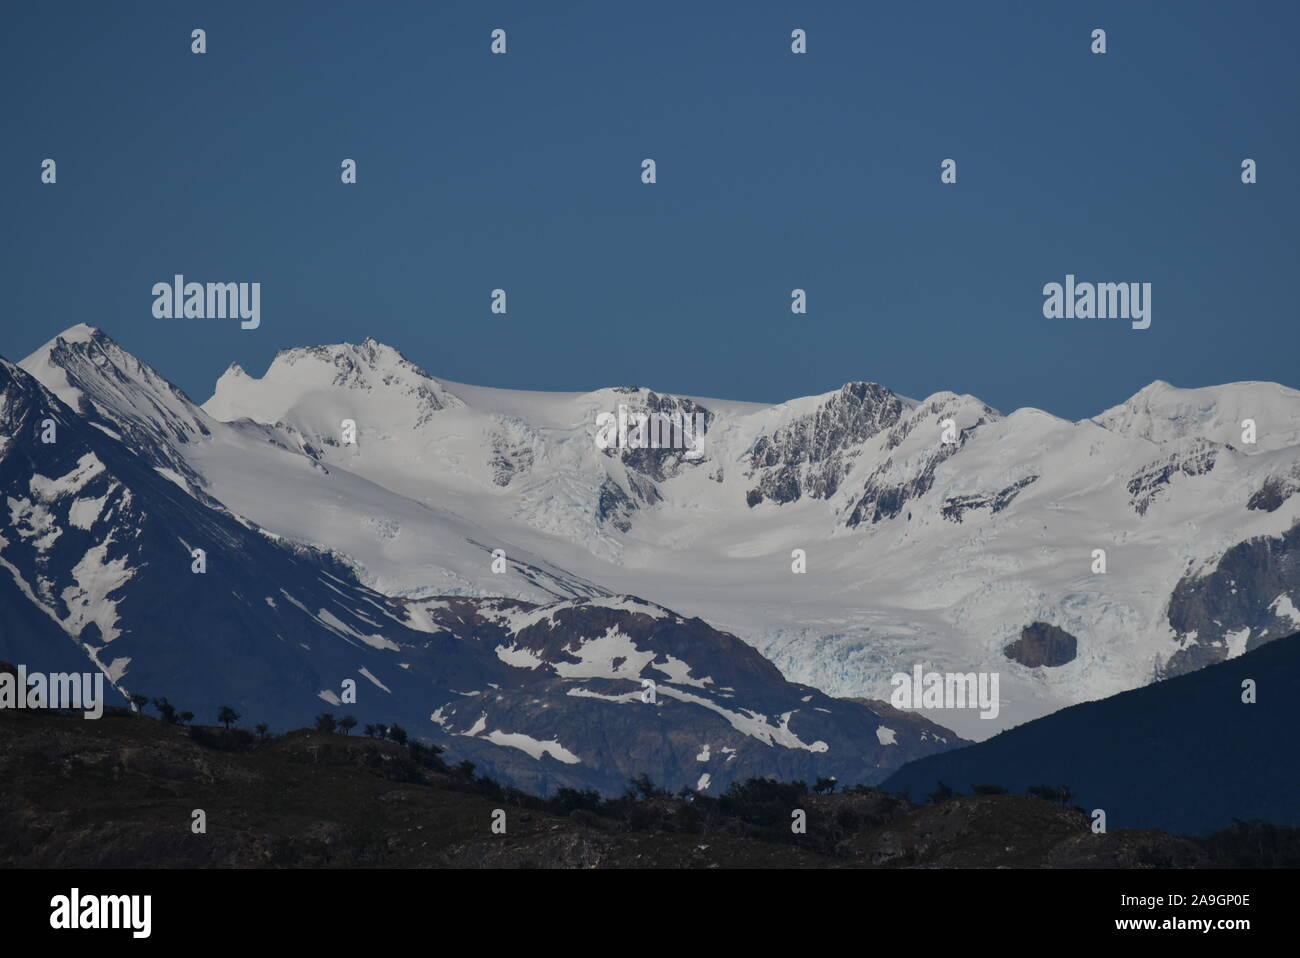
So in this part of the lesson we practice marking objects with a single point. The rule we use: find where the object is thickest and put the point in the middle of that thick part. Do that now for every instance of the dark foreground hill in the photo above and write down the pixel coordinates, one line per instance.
(1186, 755)
(122, 792)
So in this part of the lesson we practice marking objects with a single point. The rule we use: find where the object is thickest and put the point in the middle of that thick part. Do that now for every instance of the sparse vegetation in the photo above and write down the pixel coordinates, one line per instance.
(1254, 844)
(942, 793)
(332, 780)
(1061, 794)
(166, 710)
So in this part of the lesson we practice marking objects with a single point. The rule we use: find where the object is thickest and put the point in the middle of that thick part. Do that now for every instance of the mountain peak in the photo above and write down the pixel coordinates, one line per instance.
(362, 379)
(80, 333)
(370, 353)
(1161, 412)
(94, 375)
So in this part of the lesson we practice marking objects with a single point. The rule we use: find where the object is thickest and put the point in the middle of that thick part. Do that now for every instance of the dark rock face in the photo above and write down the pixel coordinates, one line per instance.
(510, 452)
(1042, 645)
(882, 499)
(1274, 491)
(617, 508)
(1149, 482)
(957, 506)
(621, 498)
(614, 506)
(811, 455)
(1252, 587)
(663, 463)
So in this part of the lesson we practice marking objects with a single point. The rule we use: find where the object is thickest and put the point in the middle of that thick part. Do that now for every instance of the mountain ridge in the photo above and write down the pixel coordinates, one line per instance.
(917, 550)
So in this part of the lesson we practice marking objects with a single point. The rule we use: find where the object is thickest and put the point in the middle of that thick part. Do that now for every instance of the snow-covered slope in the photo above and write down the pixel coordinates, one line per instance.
(918, 550)
(274, 476)
(99, 571)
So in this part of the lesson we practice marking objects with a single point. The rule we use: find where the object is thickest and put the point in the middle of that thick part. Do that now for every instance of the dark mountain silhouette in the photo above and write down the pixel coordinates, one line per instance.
(1184, 755)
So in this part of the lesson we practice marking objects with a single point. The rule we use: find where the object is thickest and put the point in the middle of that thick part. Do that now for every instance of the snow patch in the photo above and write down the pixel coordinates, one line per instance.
(83, 512)
(47, 490)
(597, 658)
(532, 746)
(1236, 642)
(1283, 609)
(366, 673)
(519, 658)
(96, 576)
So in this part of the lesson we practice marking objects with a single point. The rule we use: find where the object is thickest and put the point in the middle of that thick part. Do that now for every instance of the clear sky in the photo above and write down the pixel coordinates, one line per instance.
(775, 171)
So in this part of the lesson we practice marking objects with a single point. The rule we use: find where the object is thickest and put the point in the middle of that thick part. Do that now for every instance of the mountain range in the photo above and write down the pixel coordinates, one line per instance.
(494, 580)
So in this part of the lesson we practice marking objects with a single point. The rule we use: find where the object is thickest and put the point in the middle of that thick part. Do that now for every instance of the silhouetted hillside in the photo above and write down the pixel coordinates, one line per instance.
(1186, 755)
(122, 792)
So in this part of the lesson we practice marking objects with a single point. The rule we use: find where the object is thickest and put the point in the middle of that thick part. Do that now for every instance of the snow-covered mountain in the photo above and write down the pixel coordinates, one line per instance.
(107, 502)
(917, 550)
(974, 554)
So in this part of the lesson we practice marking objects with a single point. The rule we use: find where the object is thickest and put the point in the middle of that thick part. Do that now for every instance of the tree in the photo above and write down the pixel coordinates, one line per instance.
(988, 790)
(187, 718)
(568, 799)
(166, 710)
(426, 754)
(347, 723)
(643, 787)
(263, 730)
(1052, 793)
(226, 715)
(369, 730)
(397, 734)
(941, 794)
(325, 722)
(139, 701)
(381, 732)
(824, 786)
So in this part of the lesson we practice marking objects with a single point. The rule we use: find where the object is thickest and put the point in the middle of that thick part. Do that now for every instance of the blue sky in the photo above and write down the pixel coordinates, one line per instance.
(775, 171)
